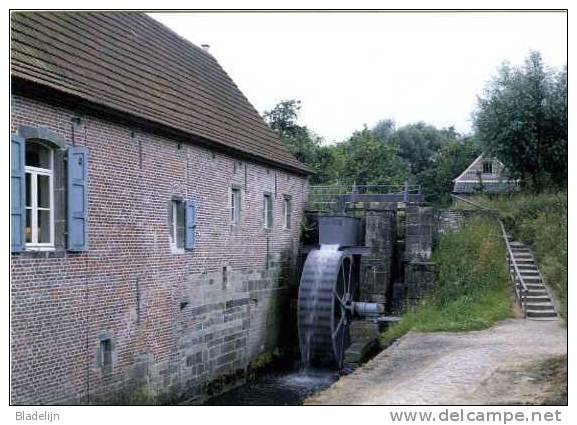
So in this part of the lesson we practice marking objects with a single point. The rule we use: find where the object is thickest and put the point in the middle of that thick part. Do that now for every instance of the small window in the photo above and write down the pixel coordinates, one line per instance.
(105, 353)
(286, 212)
(487, 167)
(39, 203)
(177, 224)
(235, 205)
(267, 211)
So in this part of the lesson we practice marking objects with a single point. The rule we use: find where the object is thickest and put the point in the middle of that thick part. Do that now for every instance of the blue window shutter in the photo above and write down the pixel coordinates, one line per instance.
(190, 227)
(17, 192)
(77, 198)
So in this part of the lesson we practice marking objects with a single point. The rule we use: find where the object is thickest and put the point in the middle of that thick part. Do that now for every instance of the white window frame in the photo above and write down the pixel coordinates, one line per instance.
(489, 166)
(34, 173)
(175, 204)
(267, 211)
(235, 206)
(286, 212)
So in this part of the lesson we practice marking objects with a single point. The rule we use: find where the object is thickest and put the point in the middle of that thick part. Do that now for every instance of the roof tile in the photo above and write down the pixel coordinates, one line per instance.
(130, 62)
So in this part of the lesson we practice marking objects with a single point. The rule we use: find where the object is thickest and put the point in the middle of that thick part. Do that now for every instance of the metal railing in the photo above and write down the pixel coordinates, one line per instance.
(323, 198)
(521, 290)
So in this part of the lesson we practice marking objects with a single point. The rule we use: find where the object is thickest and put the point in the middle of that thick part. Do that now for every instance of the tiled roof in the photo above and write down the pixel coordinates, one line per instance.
(131, 63)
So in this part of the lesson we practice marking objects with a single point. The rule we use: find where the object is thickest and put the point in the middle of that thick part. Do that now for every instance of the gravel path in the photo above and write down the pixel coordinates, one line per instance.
(480, 367)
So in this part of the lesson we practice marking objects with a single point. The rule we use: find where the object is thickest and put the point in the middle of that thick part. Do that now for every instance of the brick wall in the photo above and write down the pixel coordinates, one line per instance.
(177, 321)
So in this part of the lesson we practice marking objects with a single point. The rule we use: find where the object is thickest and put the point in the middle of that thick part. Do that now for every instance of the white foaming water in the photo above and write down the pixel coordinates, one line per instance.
(308, 379)
(316, 267)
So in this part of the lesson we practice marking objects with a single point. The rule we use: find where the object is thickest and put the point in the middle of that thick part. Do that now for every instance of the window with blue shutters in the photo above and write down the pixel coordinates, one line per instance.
(77, 219)
(17, 192)
(190, 225)
(41, 167)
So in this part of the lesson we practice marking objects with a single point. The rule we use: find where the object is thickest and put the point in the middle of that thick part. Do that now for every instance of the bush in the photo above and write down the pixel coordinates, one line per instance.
(472, 290)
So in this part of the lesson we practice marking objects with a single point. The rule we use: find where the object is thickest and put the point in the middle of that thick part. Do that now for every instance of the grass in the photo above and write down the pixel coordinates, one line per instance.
(472, 292)
(539, 220)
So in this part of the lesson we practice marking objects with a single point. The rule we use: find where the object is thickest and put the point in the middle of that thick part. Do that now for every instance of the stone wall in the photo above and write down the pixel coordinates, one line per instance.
(419, 231)
(380, 236)
(418, 271)
(177, 321)
(419, 279)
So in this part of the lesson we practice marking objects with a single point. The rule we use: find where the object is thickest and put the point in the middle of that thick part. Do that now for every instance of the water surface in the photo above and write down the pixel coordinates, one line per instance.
(290, 386)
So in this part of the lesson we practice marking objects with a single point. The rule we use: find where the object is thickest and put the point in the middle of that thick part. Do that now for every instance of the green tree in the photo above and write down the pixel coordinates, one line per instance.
(383, 130)
(300, 141)
(521, 118)
(417, 144)
(453, 157)
(364, 159)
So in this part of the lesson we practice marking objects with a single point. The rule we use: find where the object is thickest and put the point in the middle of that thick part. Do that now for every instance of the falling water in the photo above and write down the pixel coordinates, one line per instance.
(292, 384)
(318, 259)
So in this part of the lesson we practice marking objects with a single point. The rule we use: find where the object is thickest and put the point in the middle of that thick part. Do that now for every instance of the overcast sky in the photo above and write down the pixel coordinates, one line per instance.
(355, 69)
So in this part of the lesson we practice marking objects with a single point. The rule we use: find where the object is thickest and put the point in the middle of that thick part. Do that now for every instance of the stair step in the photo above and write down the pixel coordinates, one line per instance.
(541, 313)
(544, 319)
(540, 306)
(537, 292)
(527, 269)
(522, 255)
(530, 299)
(536, 286)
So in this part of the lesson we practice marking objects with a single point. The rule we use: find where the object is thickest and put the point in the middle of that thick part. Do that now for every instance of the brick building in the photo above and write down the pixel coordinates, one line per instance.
(155, 218)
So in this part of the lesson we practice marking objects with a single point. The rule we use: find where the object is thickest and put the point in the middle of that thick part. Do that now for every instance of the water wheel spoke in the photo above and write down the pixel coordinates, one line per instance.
(342, 348)
(350, 280)
(339, 298)
(339, 326)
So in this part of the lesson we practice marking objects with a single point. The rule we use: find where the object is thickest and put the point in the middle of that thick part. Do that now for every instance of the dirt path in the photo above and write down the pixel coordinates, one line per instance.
(493, 366)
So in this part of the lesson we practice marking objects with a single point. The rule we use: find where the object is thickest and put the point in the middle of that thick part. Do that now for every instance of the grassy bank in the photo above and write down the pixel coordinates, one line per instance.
(541, 222)
(472, 292)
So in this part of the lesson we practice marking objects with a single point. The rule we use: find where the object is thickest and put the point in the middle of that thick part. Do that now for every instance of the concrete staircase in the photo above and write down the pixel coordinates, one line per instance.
(538, 303)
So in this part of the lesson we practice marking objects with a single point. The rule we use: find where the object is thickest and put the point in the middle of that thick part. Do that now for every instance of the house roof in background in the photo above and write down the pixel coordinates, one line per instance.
(475, 162)
(129, 62)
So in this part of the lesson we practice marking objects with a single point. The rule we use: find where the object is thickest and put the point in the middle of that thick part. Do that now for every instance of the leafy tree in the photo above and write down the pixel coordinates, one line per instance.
(363, 159)
(299, 140)
(419, 153)
(417, 144)
(453, 157)
(383, 130)
(522, 119)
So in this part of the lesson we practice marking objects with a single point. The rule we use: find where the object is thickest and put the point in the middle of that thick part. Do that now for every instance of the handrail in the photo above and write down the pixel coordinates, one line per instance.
(521, 289)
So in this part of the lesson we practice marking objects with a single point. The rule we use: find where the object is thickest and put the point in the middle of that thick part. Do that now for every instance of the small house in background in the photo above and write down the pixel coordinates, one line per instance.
(487, 175)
